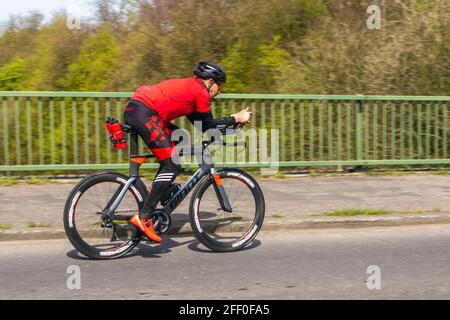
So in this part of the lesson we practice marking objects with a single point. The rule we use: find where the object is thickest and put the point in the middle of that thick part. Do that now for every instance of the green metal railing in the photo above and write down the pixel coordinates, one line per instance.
(65, 130)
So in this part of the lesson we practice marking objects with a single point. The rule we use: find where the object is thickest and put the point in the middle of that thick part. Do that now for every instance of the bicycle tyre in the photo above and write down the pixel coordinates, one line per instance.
(195, 211)
(138, 192)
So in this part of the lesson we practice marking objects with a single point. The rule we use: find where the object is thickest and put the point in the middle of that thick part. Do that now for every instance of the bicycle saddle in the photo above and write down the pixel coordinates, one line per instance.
(127, 128)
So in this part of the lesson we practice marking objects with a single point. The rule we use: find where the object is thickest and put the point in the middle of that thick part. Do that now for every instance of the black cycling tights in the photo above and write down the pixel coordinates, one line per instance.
(157, 136)
(165, 176)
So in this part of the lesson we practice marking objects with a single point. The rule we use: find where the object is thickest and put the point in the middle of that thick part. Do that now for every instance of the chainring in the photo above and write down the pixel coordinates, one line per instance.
(162, 221)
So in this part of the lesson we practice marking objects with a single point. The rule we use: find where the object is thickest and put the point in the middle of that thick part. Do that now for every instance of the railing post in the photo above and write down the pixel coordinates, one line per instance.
(17, 129)
(52, 132)
(6, 153)
(363, 133)
(358, 129)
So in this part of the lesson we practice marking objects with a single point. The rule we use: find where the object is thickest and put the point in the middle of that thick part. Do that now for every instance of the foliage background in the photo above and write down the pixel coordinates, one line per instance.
(272, 46)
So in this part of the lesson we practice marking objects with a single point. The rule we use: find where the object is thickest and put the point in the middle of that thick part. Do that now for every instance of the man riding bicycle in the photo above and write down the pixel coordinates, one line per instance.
(150, 112)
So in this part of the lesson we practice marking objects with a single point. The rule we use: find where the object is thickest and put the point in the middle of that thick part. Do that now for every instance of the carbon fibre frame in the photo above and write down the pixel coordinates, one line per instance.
(206, 165)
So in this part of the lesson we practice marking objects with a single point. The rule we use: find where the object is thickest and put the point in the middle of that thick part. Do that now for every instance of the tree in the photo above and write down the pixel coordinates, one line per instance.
(408, 56)
(96, 62)
(195, 30)
(56, 48)
(17, 33)
(11, 75)
(260, 54)
(279, 46)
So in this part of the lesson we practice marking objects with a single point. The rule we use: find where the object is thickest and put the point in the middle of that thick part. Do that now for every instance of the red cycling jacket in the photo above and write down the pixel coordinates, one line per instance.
(175, 98)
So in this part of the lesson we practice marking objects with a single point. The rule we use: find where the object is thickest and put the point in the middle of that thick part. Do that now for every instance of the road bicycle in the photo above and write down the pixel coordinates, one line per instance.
(226, 210)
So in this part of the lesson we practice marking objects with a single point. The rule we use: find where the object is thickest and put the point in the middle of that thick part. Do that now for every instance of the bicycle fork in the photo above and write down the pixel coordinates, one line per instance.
(220, 192)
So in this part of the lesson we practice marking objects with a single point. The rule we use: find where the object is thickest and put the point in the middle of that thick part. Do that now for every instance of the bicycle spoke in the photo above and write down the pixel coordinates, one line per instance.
(218, 224)
(91, 204)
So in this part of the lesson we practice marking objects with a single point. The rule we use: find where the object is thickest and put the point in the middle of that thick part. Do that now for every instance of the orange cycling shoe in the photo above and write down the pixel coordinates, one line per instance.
(146, 226)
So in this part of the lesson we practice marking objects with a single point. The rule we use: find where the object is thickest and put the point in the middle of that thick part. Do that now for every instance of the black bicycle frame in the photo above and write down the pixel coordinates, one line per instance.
(206, 168)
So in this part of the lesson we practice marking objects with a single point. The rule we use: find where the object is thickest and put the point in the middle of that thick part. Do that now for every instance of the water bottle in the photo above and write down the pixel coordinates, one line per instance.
(117, 136)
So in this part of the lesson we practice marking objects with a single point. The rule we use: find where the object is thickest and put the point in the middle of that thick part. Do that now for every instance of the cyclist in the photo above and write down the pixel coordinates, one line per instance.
(150, 112)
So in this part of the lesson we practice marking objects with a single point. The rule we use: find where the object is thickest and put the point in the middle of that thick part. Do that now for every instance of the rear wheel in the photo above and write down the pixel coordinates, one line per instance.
(227, 231)
(84, 219)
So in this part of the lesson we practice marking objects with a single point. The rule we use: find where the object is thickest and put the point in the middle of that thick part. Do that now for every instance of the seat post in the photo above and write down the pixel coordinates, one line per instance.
(133, 143)
(134, 166)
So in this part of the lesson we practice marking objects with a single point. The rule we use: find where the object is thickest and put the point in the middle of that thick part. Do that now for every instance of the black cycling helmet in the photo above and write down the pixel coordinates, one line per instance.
(206, 70)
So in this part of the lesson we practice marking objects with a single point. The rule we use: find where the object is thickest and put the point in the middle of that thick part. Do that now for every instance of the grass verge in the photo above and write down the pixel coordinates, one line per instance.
(38, 225)
(6, 182)
(38, 180)
(371, 212)
(276, 215)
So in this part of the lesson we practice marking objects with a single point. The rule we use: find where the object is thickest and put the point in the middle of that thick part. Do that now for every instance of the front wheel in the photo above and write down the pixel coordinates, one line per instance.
(218, 229)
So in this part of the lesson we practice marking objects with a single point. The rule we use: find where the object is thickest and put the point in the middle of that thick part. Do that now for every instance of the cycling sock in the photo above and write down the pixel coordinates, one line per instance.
(167, 173)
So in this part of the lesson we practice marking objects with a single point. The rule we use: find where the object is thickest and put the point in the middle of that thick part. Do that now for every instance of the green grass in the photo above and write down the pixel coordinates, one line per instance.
(371, 172)
(333, 174)
(411, 211)
(313, 173)
(121, 222)
(371, 212)
(184, 177)
(38, 225)
(434, 210)
(279, 175)
(6, 182)
(357, 212)
(441, 172)
(37, 180)
(5, 226)
(117, 222)
(231, 218)
(390, 173)
(276, 215)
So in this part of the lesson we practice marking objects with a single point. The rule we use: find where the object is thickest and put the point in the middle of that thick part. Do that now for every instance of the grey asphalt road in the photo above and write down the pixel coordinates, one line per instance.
(413, 262)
